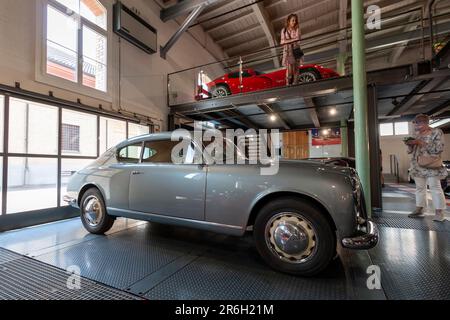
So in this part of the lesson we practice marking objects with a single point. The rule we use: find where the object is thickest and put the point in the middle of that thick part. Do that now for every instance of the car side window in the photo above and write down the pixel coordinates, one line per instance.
(235, 75)
(159, 151)
(130, 154)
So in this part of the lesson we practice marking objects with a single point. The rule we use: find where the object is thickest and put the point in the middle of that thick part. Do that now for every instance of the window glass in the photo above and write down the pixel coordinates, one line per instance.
(32, 184)
(401, 128)
(33, 128)
(79, 134)
(94, 59)
(94, 11)
(386, 129)
(63, 58)
(62, 39)
(112, 132)
(233, 75)
(135, 130)
(73, 5)
(159, 151)
(130, 154)
(68, 168)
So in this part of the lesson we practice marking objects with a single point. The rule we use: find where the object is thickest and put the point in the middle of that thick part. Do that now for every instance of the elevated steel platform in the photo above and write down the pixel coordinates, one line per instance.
(399, 93)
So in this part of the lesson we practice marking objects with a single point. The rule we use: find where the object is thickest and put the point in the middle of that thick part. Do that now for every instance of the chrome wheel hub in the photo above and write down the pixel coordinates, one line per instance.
(291, 237)
(93, 212)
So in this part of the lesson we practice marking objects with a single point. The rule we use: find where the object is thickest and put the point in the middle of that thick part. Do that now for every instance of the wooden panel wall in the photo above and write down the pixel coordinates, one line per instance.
(295, 145)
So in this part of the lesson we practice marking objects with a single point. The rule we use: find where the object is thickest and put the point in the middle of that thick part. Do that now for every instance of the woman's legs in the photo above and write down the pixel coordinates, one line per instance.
(421, 197)
(289, 70)
(295, 71)
(438, 197)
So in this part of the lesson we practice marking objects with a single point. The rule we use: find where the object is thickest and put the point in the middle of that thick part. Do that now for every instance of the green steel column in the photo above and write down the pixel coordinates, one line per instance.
(344, 138)
(360, 100)
(341, 59)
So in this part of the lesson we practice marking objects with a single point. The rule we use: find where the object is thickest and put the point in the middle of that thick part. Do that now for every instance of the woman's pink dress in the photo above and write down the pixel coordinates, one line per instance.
(288, 49)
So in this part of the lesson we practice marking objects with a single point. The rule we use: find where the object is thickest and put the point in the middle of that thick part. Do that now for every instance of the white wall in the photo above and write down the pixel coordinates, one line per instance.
(143, 78)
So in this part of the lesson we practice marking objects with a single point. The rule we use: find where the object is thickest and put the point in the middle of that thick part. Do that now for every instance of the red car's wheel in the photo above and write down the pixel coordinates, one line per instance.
(308, 76)
(220, 91)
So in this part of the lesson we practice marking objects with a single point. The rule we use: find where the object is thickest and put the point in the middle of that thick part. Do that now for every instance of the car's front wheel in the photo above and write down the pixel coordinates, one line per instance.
(308, 76)
(293, 236)
(93, 212)
(220, 91)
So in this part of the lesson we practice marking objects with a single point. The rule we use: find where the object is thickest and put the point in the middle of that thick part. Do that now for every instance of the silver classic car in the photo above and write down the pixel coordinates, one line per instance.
(297, 216)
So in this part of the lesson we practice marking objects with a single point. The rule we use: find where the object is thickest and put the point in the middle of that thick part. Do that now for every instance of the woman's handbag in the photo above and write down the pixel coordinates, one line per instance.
(298, 53)
(430, 162)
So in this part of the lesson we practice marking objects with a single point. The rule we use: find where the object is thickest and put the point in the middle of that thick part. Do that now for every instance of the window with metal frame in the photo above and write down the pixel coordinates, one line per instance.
(70, 138)
(76, 42)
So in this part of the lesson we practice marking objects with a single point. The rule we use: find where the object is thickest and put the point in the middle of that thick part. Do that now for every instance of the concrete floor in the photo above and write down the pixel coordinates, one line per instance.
(162, 262)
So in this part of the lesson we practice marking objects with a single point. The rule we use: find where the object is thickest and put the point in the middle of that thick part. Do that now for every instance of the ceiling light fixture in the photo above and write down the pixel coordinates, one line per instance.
(273, 118)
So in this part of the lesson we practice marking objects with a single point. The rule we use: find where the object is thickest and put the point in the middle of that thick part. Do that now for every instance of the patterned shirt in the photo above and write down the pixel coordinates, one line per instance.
(434, 145)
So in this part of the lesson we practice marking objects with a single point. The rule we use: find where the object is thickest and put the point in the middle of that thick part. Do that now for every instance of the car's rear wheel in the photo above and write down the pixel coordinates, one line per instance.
(93, 212)
(220, 91)
(293, 236)
(308, 76)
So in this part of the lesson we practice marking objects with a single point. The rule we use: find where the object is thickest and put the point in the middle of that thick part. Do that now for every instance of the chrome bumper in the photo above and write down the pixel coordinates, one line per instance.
(70, 201)
(365, 241)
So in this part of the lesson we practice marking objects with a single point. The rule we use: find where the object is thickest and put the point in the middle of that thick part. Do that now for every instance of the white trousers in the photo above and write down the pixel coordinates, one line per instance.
(437, 194)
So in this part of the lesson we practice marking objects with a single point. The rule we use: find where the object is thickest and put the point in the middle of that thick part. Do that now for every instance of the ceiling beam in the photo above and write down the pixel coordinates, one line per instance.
(270, 111)
(409, 101)
(312, 111)
(241, 118)
(264, 20)
(214, 117)
(303, 8)
(397, 52)
(229, 21)
(217, 10)
(282, 114)
(251, 28)
(182, 8)
(443, 107)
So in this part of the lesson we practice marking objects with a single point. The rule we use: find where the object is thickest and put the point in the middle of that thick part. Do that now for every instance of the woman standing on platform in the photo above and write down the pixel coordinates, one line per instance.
(292, 54)
(426, 148)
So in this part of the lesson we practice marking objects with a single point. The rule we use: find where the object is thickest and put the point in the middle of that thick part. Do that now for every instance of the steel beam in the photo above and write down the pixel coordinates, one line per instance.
(312, 111)
(409, 101)
(374, 147)
(241, 118)
(440, 109)
(189, 20)
(264, 20)
(269, 111)
(182, 8)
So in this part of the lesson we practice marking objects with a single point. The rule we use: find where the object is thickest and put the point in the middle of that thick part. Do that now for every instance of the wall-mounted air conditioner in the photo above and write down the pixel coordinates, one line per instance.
(134, 29)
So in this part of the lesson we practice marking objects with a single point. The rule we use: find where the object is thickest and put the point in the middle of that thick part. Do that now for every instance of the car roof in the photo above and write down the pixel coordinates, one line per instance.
(154, 136)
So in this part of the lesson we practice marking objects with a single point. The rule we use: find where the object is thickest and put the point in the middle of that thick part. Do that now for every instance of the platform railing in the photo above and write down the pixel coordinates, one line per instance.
(265, 68)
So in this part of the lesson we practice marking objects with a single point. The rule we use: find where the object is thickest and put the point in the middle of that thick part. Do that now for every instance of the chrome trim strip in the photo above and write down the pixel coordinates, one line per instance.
(205, 225)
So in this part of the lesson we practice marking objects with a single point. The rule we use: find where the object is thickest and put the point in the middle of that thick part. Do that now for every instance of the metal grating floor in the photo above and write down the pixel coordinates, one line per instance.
(27, 279)
(403, 222)
(415, 264)
(160, 262)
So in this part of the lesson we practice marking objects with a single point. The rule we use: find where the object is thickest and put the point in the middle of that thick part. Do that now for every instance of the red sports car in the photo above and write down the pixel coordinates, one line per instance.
(253, 80)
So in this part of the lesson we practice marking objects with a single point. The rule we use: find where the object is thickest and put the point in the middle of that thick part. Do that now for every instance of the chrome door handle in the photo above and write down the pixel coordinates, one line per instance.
(134, 173)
